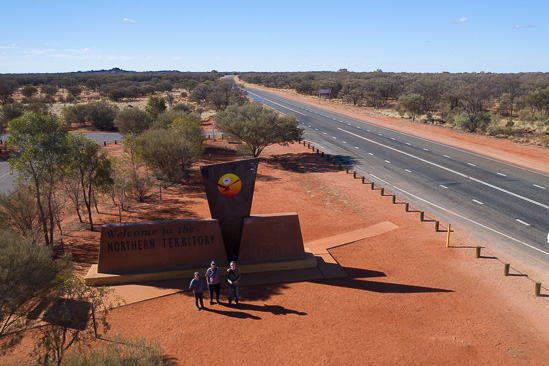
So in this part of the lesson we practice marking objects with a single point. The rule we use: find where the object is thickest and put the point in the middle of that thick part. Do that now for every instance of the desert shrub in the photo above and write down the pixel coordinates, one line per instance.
(19, 212)
(28, 91)
(9, 112)
(75, 114)
(49, 90)
(121, 351)
(474, 122)
(132, 120)
(525, 115)
(27, 277)
(544, 140)
(101, 115)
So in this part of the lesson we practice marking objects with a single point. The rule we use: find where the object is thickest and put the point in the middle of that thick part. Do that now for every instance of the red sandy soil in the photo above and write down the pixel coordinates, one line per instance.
(407, 300)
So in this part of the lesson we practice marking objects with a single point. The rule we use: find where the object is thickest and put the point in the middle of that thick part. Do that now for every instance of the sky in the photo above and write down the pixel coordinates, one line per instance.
(47, 36)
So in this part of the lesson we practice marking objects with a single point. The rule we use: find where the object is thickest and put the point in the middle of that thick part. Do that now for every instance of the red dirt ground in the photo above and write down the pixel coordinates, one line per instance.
(407, 300)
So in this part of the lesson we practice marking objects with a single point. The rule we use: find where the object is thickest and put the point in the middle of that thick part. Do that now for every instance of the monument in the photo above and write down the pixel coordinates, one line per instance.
(144, 251)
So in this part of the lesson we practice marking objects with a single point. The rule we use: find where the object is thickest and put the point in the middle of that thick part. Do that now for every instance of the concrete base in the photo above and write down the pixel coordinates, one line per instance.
(308, 261)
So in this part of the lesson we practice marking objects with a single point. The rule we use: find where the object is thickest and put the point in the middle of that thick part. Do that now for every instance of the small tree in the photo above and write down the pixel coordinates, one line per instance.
(9, 112)
(101, 115)
(173, 151)
(132, 120)
(91, 166)
(258, 127)
(155, 106)
(68, 318)
(75, 114)
(40, 141)
(28, 91)
(413, 104)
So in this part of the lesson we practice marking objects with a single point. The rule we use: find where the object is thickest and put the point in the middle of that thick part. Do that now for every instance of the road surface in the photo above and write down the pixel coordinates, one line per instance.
(504, 204)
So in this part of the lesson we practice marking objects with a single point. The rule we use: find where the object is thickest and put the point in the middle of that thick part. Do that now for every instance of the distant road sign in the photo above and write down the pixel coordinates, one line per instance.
(257, 100)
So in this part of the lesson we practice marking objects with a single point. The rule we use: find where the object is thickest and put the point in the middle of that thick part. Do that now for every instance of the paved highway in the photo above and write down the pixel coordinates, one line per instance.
(504, 204)
(8, 178)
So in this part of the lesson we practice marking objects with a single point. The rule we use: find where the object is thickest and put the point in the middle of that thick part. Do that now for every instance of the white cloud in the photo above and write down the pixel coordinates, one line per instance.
(518, 26)
(461, 20)
(128, 20)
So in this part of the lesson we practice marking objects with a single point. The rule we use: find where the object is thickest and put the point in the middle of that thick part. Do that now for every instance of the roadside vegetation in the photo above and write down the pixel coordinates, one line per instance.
(510, 106)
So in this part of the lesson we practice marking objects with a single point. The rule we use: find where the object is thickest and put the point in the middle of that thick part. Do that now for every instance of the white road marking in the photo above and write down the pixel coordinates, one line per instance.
(387, 161)
(463, 217)
(503, 175)
(446, 156)
(450, 170)
(523, 222)
(443, 186)
(477, 201)
(471, 164)
(408, 170)
(541, 187)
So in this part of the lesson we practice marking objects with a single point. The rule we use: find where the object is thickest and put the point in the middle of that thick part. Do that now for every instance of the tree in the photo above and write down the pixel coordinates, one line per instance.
(169, 98)
(7, 88)
(91, 166)
(155, 106)
(132, 120)
(413, 104)
(40, 141)
(9, 112)
(67, 319)
(172, 152)
(74, 90)
(101, 115)
(27, 277)
(50, 90)
(28, 91)
(75, 114)
(473, 122)
(258, 127)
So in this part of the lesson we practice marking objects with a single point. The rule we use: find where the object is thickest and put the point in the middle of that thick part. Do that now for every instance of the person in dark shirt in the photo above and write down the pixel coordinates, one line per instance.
(196, 286)
(233, 275)
(213, 281)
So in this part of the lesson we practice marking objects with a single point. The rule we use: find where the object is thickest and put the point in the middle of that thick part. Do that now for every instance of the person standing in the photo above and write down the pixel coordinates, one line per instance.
(233, 275)
(196, 286)
(214, 283)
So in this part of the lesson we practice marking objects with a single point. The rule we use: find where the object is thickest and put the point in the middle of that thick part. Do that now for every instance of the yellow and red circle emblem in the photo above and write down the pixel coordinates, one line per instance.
(229, 185)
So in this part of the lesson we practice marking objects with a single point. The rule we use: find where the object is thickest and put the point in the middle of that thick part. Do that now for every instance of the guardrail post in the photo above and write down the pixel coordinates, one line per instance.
(506, 269)
(448, 236)
(537, 290)
(422, 216)
(437, 225)
(477, 252)
(407, 207)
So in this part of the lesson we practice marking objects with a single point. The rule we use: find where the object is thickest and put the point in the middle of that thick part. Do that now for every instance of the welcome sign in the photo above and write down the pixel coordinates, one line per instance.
(130, 247)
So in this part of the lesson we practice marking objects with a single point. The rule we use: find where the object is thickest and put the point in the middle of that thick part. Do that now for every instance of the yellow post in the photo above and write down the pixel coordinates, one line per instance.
(448, 236)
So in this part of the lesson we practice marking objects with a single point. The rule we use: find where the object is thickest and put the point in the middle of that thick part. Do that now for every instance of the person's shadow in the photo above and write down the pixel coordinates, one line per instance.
(239, 311)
